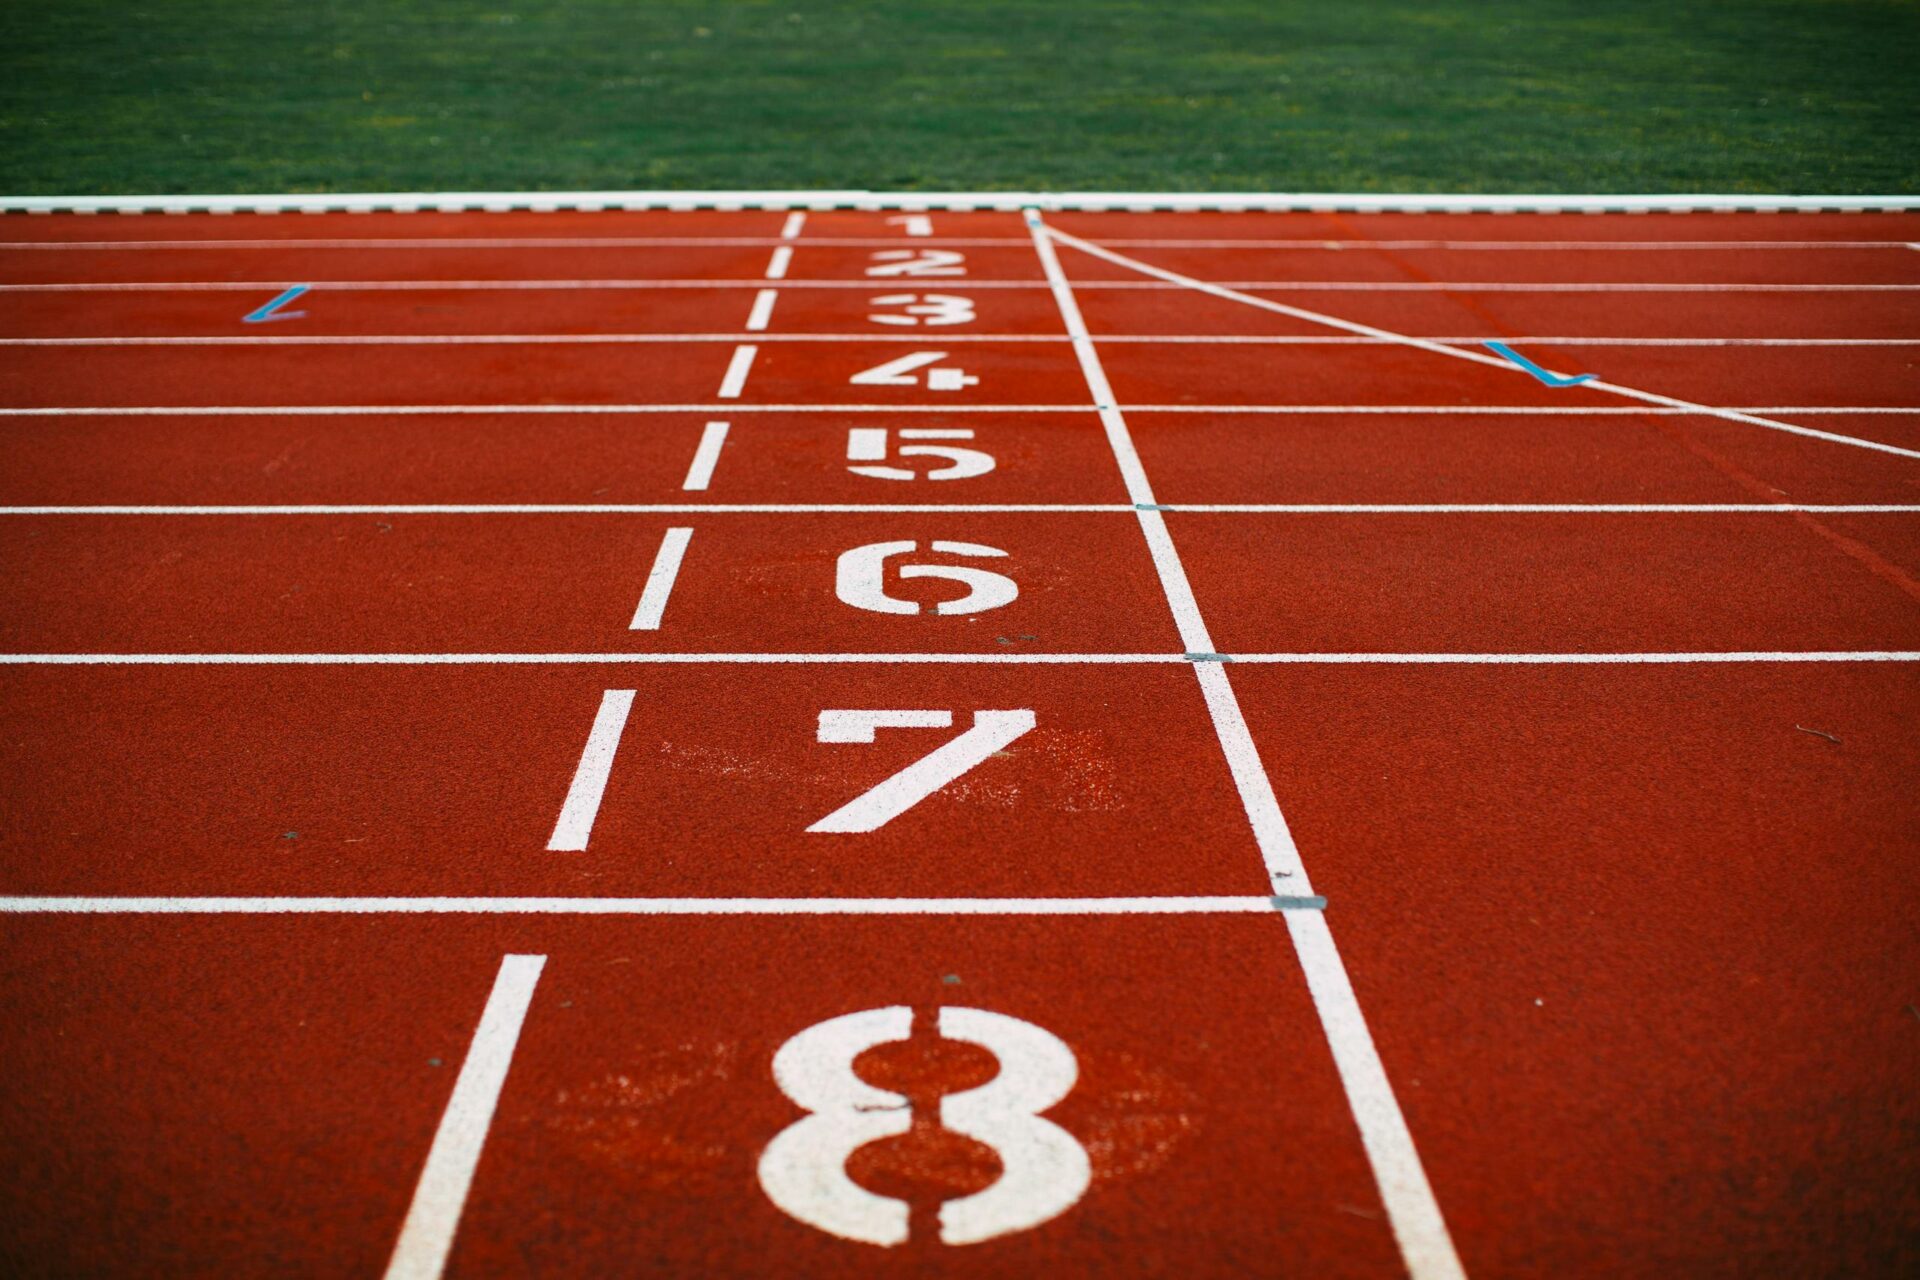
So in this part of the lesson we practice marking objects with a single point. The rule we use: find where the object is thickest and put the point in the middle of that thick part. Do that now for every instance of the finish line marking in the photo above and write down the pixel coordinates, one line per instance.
(1147, 906)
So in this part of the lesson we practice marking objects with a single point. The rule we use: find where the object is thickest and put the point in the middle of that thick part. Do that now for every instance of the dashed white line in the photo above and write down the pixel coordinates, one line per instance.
(778, 263)
(706, 456)
(589, 785)
(795, 223)
(660, 580)
(762, 311)
(738, 367)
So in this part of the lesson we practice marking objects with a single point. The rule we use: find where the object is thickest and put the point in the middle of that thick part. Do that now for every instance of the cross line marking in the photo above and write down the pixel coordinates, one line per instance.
(1412, 1211)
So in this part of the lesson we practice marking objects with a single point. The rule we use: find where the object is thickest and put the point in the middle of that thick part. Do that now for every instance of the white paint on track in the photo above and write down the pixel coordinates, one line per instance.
(755, 282)
(1231, 294)
(426, 1237)
(589, 786)
(706, 456)
(1680, 409)
(703, 466)
(1412, 1211)
(849, 242)
(763, 308)
(1150, 906)
(1329, 658)
(660, 579)
(735, 379)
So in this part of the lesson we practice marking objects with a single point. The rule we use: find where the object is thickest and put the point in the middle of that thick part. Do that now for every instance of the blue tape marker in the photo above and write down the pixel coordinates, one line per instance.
(1551, 379)
(272, 310)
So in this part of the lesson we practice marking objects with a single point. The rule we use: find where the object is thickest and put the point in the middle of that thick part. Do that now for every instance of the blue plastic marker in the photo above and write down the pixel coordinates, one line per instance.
(1551, 379)
(272, 310)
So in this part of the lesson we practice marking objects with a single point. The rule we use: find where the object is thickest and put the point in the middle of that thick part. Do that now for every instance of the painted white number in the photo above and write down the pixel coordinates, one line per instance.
(859, 578)
(869, 445)
(923, 308)
(917, 262)
(901, 373)
(914, 224)
(1044, 1169)
(872, 809)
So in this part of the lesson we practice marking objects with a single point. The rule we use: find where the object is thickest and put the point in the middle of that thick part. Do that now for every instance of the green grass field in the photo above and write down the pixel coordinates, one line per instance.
(108, 96)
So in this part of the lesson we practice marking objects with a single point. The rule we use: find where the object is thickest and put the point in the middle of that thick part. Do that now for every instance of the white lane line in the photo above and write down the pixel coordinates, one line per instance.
(428, 410)
(1248, 905)
(706, 456)
(589, 785)
(709, 449)
(1412, 1210)
(777, 264)
(1462, 353)
(728, 282)
(660, 580)
(748, 242)
(763, 308)
(434, 1216)
(627, 658)
(795, 223)
(762, 312)
(738, 367)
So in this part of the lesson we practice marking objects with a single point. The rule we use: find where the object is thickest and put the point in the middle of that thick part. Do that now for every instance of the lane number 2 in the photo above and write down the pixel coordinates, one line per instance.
(1044, 1169)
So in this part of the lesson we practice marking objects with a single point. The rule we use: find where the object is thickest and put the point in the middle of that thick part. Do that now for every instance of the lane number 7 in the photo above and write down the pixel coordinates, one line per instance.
(992, 731)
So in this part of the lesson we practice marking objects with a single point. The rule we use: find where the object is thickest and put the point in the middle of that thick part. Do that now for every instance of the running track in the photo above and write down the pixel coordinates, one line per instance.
(1401, 817)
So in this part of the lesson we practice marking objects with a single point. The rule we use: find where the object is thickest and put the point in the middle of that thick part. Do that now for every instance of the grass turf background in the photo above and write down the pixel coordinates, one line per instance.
(107, 96)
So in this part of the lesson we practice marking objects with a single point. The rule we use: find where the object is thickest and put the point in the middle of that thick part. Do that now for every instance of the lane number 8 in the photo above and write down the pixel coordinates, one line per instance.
(1044, 1169)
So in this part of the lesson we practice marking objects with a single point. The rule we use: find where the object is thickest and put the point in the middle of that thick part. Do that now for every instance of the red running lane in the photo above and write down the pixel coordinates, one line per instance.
(428, 311)
(433, 781)
(1459, 583)
(637, 373)
(1391, 374)
(1674, 929)
(294, 264)
(548, 458)
(566, 583)
(262, 1136)
(1518, 458)
(1461, 313)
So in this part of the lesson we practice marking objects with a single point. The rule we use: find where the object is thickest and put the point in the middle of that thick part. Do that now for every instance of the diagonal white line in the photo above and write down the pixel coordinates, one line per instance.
(441, 1196)
(1455, 353)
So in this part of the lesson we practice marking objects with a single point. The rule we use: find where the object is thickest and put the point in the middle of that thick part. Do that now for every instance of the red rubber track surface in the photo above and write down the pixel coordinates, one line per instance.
(1633, 939)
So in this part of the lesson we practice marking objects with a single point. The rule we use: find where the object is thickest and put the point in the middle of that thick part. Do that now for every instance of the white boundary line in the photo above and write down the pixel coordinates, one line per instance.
(1412, 1210)
(955, 201)
(589, 786)
(1461, 353)
(434, 1214)
(1155, 906)
(731, 282)
(934, 242)
(938, 659)
(979, 508)
(762, 313)
(1679, 409)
